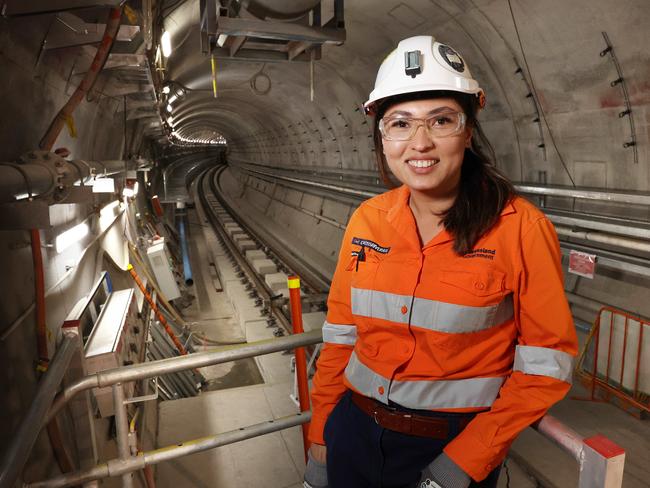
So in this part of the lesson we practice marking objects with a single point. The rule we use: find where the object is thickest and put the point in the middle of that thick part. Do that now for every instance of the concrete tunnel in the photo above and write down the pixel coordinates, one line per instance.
(248, 143)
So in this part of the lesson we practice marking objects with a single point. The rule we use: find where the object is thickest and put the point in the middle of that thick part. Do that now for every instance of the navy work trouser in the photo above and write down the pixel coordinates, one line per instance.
(363, 454)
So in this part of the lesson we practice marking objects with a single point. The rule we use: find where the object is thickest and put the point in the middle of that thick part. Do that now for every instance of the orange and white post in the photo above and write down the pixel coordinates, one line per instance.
(293, 283)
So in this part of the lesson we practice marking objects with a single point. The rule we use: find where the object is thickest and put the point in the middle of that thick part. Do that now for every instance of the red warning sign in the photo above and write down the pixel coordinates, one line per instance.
(582, 264)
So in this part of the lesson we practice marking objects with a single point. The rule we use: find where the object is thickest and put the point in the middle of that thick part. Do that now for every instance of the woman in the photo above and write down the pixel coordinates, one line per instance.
(447, 331)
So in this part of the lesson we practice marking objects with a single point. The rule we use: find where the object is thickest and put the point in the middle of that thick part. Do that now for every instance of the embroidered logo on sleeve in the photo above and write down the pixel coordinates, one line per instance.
(370, 244)
(481, 253)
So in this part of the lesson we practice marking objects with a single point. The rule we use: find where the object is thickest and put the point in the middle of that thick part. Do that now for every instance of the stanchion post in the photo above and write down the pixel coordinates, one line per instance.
(293, 283)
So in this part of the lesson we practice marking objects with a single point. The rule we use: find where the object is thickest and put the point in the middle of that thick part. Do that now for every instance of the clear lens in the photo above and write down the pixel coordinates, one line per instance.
(439, 125)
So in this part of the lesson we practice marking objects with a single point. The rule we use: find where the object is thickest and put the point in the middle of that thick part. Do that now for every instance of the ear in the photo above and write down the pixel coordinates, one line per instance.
(468, 137)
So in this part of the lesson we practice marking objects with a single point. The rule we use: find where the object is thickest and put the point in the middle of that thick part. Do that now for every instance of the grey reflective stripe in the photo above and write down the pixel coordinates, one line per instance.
(429, 395)
(340, 334)
(429, 314)
(544, 361)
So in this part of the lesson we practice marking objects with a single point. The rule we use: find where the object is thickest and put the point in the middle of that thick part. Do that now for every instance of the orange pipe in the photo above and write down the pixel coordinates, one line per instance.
(112, 27)
(301, 359)
(39, 293)
(155, 308)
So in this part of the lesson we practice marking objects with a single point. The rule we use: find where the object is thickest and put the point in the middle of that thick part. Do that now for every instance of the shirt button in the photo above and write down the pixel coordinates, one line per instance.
(380, 390)
(479, 285)
(404, 309)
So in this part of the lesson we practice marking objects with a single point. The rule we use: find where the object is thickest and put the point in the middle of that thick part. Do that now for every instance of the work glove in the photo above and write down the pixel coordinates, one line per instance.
(315, 473)
(443, 473)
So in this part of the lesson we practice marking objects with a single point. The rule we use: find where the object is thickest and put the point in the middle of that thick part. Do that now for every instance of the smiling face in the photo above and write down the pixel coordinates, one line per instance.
(431, 166)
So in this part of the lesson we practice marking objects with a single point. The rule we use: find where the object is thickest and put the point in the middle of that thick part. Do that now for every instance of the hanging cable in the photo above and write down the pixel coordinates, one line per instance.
(534, 91)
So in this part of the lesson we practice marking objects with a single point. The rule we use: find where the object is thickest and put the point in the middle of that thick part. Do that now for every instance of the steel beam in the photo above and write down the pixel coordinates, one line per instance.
(279, 31)
(35, 7)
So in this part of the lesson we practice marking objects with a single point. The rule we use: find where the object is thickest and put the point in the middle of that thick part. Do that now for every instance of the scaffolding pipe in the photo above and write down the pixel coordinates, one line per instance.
(614, 196)
(180, 363)
(17, 453)
(122, 431)
(118, 467)
(567, 439)
(602, 238)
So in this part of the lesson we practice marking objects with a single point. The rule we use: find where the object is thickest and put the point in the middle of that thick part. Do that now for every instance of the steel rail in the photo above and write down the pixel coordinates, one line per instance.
(17, 453)
(179, 363)
(121, 467)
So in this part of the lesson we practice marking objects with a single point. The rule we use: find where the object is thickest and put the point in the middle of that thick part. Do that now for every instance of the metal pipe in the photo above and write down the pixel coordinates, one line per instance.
(566, 438)
(636, 198)
(17, 453)
(122, 430)
(180, 363)
(21, 179)
(618, 226)
(602, 238)
(187, 268)
(116, 467)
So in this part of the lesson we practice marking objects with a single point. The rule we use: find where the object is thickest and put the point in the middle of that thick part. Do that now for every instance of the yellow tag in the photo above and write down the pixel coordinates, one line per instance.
(293, 283)
(69, 121)
(214, 76)
(131, 14)
(129, 267)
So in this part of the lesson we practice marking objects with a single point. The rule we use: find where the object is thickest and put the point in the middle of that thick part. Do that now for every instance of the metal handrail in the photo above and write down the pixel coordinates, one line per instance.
(180, 363)
(596, 463)
(17, 453)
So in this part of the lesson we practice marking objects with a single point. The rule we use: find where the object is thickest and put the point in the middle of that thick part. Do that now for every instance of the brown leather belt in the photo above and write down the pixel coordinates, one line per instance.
(404, 422)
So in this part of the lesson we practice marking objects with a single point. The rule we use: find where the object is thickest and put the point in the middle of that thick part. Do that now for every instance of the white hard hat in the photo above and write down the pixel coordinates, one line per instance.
(419, 64)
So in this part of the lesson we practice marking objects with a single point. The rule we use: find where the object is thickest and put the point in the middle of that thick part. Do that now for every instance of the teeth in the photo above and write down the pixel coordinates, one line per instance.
(422, 163)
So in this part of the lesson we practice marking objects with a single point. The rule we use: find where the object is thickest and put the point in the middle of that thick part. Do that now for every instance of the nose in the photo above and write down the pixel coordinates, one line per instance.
(421, 140)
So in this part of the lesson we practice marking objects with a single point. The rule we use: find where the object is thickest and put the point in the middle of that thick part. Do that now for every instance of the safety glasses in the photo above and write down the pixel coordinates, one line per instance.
(444, 124)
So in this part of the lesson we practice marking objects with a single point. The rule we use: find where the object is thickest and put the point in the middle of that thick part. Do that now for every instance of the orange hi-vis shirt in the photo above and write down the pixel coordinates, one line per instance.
(489, 331)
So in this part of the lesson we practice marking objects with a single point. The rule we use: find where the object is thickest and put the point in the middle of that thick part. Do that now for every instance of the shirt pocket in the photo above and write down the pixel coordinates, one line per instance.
(479, 283)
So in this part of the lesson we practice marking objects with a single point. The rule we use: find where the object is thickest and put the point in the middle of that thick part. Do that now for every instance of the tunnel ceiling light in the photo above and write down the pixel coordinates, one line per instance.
(169, 107)
(71, 236)
(172, 99)
(166, 43)
(166, 89)
(221, 40)
(170, 120)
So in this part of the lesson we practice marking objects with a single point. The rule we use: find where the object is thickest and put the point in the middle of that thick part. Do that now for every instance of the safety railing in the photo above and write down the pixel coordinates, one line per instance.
(616, 359)
(600, 460)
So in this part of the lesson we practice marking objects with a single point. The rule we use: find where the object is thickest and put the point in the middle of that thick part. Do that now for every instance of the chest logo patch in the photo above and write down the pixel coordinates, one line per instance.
(370, 244)
(481, 253)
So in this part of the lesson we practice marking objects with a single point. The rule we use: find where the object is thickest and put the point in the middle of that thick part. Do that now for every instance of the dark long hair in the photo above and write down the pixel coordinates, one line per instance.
(484, 191)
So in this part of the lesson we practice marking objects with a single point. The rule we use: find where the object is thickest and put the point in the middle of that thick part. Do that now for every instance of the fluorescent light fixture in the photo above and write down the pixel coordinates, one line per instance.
(69, 237)
(172, 99)
(166, 89)
(221, 40)
(166, 43)
(104, 185)
(169, 107)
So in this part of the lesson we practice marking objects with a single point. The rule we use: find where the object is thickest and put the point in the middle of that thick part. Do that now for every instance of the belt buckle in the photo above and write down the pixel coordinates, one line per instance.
(374, 415)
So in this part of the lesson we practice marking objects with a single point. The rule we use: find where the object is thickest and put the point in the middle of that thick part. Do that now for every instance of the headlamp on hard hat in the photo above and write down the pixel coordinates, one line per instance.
(413, 63)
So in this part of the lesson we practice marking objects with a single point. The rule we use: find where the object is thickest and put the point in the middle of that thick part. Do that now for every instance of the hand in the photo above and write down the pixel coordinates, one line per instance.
(316, 470)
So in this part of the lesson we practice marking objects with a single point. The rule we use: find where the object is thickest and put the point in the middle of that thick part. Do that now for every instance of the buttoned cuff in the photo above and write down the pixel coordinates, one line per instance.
(447, 473)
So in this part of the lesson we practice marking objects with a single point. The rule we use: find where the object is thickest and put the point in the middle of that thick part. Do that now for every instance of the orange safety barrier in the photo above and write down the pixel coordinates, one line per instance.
(293, 283)
(616, 359)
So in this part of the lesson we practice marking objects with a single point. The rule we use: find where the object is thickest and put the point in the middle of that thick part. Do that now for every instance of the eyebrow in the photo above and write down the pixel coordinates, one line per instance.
(431, 112)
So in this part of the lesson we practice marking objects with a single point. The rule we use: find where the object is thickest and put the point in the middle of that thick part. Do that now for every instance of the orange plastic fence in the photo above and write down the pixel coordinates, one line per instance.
(616, 359)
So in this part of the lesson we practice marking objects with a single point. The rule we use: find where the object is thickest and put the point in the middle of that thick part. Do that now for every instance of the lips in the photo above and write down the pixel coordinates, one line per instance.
(422, 163)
